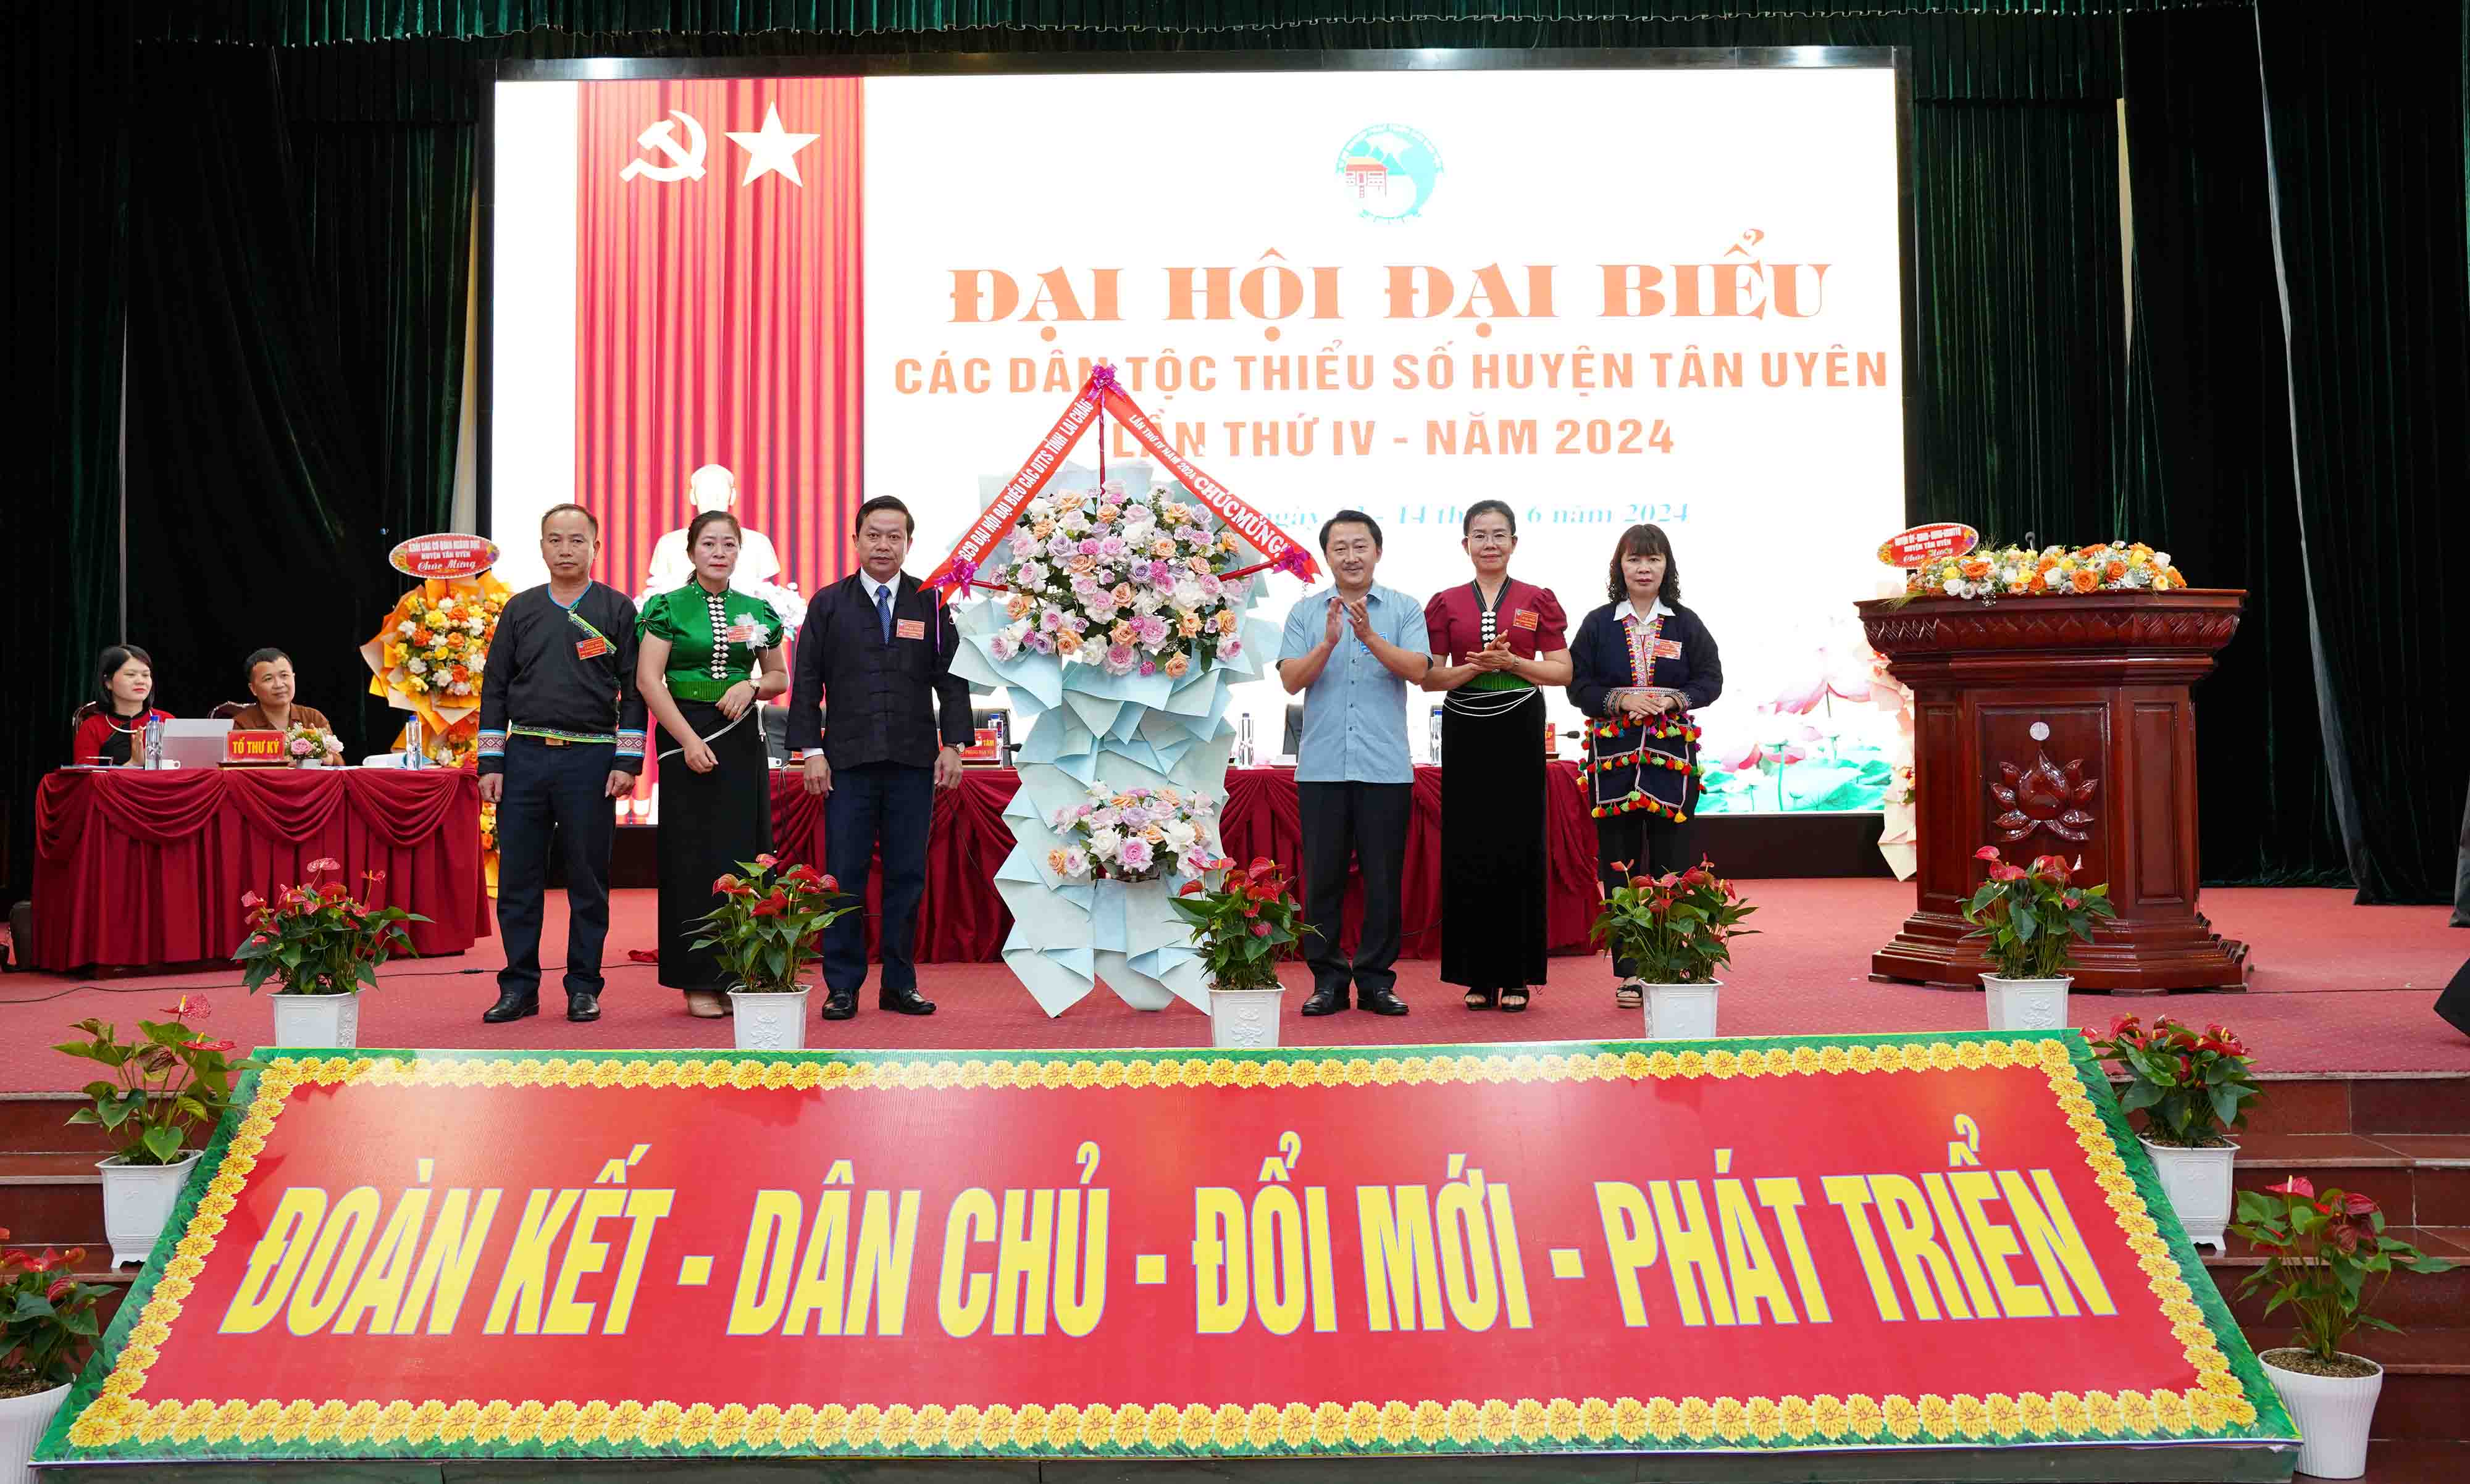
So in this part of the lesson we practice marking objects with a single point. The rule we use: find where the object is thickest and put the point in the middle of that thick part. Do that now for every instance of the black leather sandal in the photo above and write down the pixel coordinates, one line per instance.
(1481, 999)
(1513, 999)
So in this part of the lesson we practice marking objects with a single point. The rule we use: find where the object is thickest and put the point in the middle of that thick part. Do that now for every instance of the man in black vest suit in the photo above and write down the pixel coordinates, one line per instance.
(877, 645)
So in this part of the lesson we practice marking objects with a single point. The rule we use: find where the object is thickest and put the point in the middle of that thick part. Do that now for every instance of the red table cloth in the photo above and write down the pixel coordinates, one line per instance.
(136, 869)
(962, 921)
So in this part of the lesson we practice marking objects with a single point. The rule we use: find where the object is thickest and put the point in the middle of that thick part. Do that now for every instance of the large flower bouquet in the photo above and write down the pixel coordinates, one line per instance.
(2018, 571)
(1133, 584)
(1138, 834)
(305, 745)
(438, 645)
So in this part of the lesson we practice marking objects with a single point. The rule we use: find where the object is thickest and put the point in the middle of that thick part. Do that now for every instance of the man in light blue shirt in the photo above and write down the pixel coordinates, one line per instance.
(1353, 650)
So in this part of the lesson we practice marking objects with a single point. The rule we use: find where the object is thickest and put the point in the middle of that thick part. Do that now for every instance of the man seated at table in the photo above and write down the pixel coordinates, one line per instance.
(269, 681)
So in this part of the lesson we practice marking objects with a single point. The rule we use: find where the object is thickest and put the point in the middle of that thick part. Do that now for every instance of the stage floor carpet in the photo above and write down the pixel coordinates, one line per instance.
(2332, 987)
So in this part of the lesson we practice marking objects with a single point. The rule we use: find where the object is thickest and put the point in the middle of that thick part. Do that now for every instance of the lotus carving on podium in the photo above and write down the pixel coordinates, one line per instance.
(2044, 797)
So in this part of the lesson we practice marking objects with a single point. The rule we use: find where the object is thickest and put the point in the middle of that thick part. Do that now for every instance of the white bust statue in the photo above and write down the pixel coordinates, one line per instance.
(713, 488)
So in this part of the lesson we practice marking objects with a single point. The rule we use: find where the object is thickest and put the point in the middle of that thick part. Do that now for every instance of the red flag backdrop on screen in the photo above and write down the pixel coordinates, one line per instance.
(718, 285)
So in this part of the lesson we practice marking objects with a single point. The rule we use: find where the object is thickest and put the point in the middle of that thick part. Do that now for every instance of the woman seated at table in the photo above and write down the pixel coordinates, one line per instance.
(110, 730)
(269, 681)
(708, 655)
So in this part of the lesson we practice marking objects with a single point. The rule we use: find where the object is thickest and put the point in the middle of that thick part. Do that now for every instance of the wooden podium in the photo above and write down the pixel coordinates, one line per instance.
(2060, 726)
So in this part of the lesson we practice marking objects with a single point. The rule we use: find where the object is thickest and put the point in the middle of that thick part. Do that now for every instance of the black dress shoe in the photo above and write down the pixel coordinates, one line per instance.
(582, 1006)
(1325, 1002)
(904, 1002)
(511, 1006)
(1380, 1002)
(841, 1005)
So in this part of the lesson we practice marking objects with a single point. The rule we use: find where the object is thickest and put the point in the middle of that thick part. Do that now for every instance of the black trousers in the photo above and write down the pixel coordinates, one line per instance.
(565, 788)
(1366, 824)
(1650, 845)
(890, 808)
(710, 823)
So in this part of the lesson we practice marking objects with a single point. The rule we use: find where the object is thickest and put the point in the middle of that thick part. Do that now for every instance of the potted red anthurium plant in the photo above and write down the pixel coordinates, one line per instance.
(169, 1082)
(2033, 918)
(1240, 927)
(767, 923)
(2325, 1259)
(2193, 1089)
(322, 946)
(1668, 935)
(47, 1326)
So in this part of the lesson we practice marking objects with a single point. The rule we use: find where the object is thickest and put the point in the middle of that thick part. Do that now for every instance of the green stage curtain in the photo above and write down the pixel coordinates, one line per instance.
(2035, 418)
(2365, 136)
(249, 492)
(66, 248)
(323, 22)
(2209, 417)
(396, 196)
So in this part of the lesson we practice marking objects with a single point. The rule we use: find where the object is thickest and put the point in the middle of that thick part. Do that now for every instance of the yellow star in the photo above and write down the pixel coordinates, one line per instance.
(772, 148)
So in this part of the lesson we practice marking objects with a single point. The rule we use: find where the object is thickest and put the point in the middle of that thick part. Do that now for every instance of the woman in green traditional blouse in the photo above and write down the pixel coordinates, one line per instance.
(709, 656)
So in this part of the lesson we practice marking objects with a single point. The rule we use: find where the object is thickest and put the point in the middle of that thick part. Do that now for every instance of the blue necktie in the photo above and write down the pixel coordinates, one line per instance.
(883, 610)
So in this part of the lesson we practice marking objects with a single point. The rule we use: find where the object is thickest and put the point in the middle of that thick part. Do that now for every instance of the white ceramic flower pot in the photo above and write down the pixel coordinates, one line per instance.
(2198, 1183)
(2026, 1004)
(22, 1423)
(1681, 1012)
(1243, 1017)
(136, 1201)
(769, 1020)
(2333, 1413)
(331, 1020)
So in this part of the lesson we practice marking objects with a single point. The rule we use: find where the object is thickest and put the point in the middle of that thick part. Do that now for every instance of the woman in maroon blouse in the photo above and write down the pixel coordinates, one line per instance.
(110, 730)
(1495, 641)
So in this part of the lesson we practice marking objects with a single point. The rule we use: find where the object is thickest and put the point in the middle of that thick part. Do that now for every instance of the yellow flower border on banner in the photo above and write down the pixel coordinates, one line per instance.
(2217, 1399)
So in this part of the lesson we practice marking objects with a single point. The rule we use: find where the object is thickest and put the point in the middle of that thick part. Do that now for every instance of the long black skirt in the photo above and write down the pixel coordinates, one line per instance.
(710, 823)
(1493, 862)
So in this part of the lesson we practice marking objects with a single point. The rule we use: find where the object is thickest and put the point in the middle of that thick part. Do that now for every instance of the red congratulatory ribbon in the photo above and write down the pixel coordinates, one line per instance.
(1100, 393)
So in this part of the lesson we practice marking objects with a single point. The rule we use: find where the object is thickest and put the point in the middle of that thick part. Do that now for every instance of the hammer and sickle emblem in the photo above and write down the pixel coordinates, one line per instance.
(685, 164)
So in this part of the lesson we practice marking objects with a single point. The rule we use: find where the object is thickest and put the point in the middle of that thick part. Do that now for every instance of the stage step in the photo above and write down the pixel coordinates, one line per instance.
(52, 1200)
(36, 1122)
(2417, 1461)
(2415, 1102)
(2419, 1179)
(2427, 1379)
(2409, 1299)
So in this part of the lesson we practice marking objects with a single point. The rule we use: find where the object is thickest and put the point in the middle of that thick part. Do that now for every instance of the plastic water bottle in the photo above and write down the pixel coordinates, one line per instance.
(154, 742)
(1244, 741)
(1437, 736)
(412, 756)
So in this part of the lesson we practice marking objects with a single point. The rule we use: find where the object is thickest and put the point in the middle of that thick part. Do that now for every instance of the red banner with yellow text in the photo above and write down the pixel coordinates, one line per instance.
(1767, 1244)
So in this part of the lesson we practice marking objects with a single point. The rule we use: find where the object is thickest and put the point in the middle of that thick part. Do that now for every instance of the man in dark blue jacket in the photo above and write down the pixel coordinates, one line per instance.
(879, 647)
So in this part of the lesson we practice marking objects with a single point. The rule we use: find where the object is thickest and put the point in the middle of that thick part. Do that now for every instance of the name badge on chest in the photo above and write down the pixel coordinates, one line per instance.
(909, 628)
(591, 648)
(1667, 649)
(1525, 619)
(741, 634)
